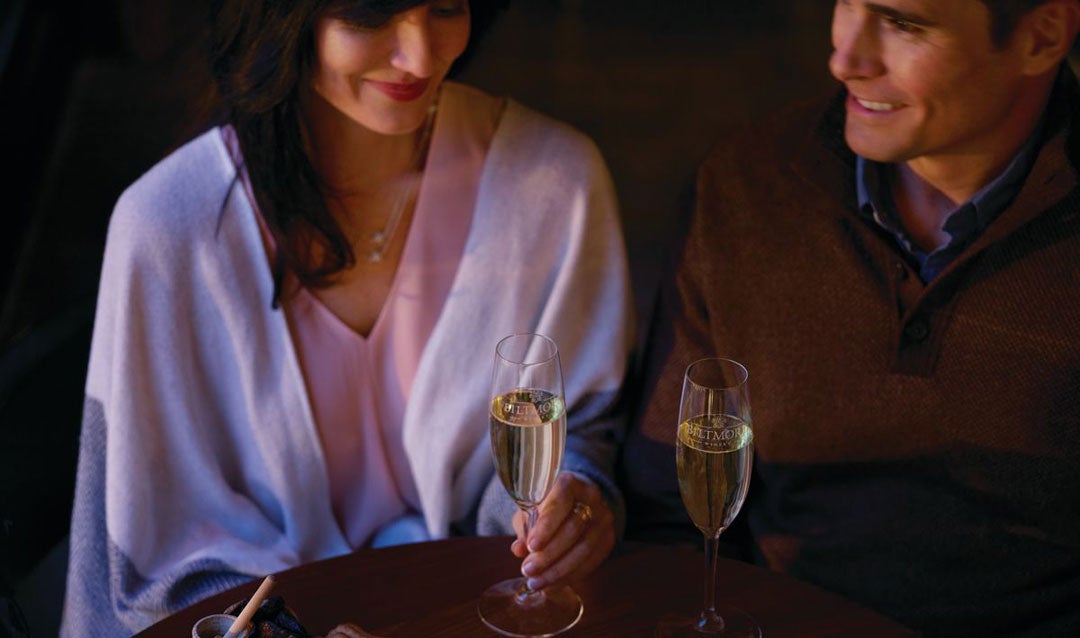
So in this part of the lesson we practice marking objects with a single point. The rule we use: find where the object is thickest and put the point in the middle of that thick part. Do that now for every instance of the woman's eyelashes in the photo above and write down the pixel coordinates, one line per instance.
(449, 8)
(362, 19)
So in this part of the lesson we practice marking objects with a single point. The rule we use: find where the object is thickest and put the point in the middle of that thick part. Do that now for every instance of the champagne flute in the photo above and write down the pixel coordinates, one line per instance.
(714, 452)
(528, 435)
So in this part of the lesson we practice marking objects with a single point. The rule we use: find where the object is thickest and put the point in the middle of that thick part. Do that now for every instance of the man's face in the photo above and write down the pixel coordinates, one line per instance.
(924, 79)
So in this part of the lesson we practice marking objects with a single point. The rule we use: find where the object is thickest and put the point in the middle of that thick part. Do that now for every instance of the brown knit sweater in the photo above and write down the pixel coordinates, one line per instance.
(917, 446)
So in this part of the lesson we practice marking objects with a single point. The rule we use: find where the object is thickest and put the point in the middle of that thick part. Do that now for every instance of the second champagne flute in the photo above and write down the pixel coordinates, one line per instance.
(714, 451)
(528, 435)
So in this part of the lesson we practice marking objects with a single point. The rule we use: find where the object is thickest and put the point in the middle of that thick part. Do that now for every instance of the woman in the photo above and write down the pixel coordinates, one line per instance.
(298, 313)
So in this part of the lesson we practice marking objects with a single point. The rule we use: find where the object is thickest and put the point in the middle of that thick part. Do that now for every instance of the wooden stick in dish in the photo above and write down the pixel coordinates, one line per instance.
(250, 608)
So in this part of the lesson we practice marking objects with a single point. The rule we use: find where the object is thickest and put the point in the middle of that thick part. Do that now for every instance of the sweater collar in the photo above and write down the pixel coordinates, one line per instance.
(824, 159)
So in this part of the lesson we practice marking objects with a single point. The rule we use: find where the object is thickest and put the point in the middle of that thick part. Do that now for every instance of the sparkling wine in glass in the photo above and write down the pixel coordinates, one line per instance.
(528, 435)
(714, 450)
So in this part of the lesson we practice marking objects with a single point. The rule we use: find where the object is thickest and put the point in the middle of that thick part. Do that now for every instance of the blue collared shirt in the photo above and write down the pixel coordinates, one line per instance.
(962, 225)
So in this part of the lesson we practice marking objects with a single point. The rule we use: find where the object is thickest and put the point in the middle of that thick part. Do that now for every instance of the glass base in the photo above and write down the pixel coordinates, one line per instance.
(511, 610)
(736, 623)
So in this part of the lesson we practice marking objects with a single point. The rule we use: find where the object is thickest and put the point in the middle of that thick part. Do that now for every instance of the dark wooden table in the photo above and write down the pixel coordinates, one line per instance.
(429, 590)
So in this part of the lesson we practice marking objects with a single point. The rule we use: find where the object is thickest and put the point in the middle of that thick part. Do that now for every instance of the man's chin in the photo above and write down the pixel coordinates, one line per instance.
(875, 150)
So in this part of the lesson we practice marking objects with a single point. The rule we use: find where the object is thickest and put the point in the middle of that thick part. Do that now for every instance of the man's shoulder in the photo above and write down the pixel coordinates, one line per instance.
(769, 141)
(1065, 112)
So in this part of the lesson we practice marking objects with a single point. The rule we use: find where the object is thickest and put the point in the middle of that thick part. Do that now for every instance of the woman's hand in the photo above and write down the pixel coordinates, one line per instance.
(574, 532)
(349, 630)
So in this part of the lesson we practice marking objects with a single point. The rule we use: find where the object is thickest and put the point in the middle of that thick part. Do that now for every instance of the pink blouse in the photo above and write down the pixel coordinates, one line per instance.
(359, 386)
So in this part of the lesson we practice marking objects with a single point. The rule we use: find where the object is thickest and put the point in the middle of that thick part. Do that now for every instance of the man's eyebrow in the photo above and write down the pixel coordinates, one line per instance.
(896, 14)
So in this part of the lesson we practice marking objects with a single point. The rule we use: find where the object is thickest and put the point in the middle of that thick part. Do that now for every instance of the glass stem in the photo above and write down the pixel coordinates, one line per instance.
(710, 620)
(530, 521)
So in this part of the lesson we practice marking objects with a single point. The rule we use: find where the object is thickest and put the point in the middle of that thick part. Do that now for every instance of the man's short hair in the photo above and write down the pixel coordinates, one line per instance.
(1005, 15)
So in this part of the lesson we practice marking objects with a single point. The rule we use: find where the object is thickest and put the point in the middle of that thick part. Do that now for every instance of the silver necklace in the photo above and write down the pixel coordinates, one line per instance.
(380, 239)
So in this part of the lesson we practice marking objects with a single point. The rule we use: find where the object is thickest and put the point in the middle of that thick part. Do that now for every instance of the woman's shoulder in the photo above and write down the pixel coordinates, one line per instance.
(470, 95)
(526, 130)
(546, 135)
(181, 194)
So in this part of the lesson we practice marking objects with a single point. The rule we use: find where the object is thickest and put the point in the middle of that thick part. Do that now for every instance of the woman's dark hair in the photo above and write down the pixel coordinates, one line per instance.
(260, 50)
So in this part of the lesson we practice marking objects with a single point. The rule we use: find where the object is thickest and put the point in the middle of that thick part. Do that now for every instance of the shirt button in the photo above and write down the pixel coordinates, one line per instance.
(916, 331)
(899, 271)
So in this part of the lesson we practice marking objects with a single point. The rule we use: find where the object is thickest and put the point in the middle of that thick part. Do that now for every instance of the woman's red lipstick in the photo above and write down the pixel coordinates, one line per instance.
(402, 91)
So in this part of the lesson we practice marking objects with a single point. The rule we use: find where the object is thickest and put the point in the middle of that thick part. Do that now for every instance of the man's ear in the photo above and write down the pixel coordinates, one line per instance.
(1046, 34)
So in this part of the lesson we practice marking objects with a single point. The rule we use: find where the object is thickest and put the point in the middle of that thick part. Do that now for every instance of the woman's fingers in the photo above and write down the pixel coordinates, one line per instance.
(349, 630)
(581, 519)
(581, 559)
(569, 489)
(575, 550)
(574, 532)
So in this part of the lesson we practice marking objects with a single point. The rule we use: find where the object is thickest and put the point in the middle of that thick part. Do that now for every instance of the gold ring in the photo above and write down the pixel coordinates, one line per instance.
(583, 511)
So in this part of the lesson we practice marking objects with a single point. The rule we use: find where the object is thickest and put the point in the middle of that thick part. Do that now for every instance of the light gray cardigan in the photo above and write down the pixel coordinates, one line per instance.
(200, 466)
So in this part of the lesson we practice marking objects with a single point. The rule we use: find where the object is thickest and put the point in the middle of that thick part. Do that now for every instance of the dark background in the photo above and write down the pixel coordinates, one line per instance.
(94, 93)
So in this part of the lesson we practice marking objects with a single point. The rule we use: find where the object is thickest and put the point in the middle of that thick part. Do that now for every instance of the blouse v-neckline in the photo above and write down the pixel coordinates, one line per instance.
(358, 386)
(407, 260)
(442, 215)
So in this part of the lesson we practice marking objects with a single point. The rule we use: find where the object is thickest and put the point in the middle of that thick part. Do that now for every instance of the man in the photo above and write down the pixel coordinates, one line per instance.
(900, 271)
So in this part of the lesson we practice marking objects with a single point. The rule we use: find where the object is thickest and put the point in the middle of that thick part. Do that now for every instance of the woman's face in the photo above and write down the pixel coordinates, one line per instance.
(385, 76)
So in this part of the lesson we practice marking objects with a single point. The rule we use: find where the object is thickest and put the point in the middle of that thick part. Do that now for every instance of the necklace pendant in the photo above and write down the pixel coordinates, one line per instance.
(380, 238)
(378, 246)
